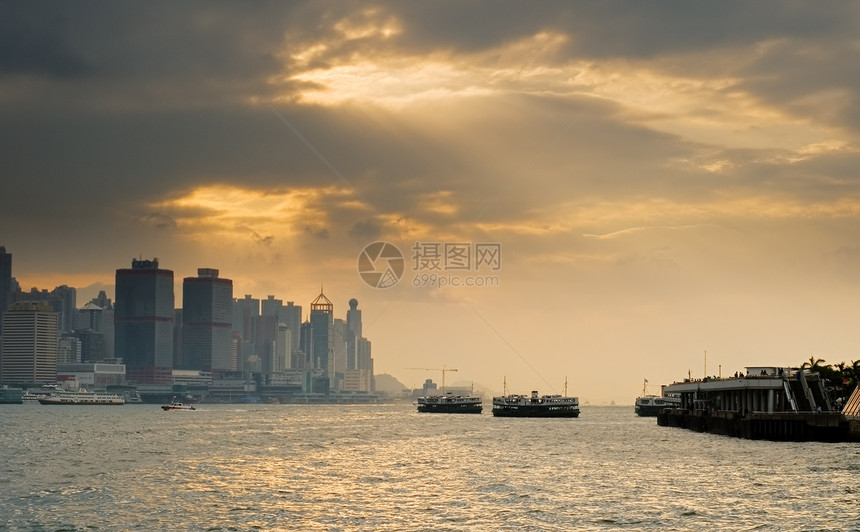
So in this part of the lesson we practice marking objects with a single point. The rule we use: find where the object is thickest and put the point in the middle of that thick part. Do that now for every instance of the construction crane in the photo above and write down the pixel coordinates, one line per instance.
(443, 369)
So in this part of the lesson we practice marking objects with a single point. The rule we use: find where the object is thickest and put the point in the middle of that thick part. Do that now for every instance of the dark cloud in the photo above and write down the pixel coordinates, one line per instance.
(114, 106)
(320, 233)
(158, 220)
(366, 229)
(263, 240)
(35, 41)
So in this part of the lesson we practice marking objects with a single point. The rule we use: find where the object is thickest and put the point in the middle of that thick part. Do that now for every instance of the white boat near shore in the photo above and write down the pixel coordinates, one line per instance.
(82, 397)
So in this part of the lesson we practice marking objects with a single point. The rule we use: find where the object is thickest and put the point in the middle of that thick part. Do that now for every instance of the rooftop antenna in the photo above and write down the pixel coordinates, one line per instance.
(706, 364)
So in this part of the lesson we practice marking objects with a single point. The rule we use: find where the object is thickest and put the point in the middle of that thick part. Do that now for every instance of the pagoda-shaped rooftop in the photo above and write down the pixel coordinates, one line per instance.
(322, 303)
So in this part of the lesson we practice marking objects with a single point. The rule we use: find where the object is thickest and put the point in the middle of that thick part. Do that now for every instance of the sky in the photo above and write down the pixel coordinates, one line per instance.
(671, 188)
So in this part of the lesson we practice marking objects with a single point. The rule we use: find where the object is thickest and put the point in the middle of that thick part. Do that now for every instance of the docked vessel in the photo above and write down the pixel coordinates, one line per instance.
(175, 405)
(651, 405)
(81, 397)
(11, 396)
(535, 406)
(768, 403)
(450, 404)
(32, 395)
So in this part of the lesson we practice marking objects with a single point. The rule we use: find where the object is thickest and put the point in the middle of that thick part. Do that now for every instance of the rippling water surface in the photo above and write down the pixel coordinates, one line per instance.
(386, 467)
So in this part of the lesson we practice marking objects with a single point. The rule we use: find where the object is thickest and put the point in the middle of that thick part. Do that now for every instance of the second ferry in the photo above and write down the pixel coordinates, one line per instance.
(651, 405)
(536, 405)
(450, 404)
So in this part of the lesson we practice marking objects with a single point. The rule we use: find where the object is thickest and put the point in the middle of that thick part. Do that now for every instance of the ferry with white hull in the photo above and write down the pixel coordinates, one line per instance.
(649, 405)
(82, 397)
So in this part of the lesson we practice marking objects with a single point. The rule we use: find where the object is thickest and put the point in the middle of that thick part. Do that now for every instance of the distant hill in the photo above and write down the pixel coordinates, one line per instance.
(386, 383)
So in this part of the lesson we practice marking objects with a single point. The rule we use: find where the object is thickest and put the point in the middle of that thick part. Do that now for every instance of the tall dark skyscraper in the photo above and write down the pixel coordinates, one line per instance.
(207, 313)
(144, 322)
(353, 332)
(322, 343)
(64, 302)
(5, 283)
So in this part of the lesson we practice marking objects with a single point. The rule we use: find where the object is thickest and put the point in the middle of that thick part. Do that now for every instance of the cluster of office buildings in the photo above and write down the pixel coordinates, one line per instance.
(215, 347)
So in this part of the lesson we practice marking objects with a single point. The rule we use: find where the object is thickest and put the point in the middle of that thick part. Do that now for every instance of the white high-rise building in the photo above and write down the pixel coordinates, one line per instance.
(282, 350)
(28, 348)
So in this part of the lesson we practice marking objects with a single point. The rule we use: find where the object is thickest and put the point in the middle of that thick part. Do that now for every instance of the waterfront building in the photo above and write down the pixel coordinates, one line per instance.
(91, 374)
(5, 283)
(29, 345)
(207, 308)
(144, 321)
(771, 403)
(357, 380)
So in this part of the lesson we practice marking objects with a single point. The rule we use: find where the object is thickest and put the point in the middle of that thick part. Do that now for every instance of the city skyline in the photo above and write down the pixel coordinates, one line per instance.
(656, 180)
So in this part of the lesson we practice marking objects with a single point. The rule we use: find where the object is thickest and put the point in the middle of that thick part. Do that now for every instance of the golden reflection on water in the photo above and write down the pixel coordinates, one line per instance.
(386, 467)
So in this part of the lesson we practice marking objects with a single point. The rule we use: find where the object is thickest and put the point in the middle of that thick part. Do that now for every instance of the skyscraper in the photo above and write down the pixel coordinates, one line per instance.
(144, 322)
(353, 332)
(28, 348)
(64, 302)
(359, 372)
(5, 283)
(207, 313)
(89, 329)
(322, 342)
(271, 306)
(244, 313)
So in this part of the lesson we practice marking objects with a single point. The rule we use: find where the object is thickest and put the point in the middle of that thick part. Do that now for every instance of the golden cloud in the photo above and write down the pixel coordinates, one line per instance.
(231, 211)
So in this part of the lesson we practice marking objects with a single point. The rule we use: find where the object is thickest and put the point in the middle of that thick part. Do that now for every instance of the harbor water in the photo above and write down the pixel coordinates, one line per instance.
(387, 467)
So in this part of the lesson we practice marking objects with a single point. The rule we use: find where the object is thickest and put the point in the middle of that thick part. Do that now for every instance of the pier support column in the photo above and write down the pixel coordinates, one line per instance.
(770, 401)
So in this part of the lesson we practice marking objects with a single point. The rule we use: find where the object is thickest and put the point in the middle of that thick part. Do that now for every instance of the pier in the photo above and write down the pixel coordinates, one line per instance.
(780, 404)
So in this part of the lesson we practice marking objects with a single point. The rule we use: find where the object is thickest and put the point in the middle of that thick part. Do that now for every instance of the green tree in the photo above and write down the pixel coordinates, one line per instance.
(814, 364)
